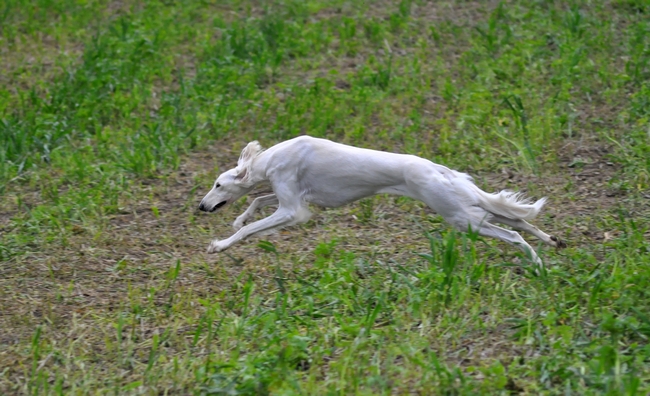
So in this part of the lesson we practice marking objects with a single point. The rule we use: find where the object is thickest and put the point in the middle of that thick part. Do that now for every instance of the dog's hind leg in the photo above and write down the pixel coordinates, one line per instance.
(258, 203)
(523, 225)
(511, 237)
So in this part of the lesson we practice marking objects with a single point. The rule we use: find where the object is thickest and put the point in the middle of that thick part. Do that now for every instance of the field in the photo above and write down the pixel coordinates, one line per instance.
(117, 116)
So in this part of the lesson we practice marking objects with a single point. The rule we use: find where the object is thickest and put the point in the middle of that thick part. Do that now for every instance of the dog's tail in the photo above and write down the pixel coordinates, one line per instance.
(509, 204)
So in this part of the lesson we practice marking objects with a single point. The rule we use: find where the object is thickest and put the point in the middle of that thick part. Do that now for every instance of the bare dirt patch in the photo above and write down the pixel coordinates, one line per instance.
(94, 271)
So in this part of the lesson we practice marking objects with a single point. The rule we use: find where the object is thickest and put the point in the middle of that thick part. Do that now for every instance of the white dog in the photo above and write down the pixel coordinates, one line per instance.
(310, 170)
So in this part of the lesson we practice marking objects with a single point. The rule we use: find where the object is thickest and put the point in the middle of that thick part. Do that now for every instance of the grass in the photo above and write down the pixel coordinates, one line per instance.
(115, 118)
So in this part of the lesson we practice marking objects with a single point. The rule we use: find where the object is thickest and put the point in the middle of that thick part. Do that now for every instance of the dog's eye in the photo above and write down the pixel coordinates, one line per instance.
(217, 185)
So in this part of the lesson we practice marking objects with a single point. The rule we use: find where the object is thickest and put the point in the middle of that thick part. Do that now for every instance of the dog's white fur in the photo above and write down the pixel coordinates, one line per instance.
(310, 170)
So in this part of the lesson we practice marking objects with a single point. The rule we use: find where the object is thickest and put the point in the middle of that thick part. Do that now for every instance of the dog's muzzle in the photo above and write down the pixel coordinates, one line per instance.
(215, 207)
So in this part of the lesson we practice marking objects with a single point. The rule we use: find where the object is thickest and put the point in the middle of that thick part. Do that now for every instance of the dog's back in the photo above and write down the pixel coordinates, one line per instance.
(332, 174)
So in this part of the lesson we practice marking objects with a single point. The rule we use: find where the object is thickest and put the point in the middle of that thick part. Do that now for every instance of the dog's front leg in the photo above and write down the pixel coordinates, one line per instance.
(258, 203)
(282, 217)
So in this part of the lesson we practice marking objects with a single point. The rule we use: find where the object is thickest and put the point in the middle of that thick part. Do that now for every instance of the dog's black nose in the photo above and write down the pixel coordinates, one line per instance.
(202, 207)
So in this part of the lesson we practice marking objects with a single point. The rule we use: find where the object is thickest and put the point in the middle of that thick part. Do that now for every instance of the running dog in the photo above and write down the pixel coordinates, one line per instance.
(307, 170)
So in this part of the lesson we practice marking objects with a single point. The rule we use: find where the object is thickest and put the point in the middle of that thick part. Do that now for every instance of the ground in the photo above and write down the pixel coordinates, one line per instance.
(116, 117)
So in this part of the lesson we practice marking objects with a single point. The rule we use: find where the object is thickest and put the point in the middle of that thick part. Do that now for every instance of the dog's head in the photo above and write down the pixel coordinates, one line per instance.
(235, 183)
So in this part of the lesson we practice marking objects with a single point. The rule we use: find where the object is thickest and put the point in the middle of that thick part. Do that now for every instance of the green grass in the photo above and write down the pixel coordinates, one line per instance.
(115, 118)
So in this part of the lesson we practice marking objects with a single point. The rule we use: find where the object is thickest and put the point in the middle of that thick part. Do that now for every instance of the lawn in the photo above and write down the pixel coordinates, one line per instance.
(117, 116)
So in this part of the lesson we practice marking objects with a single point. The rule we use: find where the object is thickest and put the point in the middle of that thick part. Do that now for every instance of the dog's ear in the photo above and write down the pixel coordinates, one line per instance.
(245, 162)
(249, 152)
(241, 176)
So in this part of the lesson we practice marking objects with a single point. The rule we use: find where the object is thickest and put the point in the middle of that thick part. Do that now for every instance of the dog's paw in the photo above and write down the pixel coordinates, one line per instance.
(559, 244)
(216, 247)
(239, 223)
